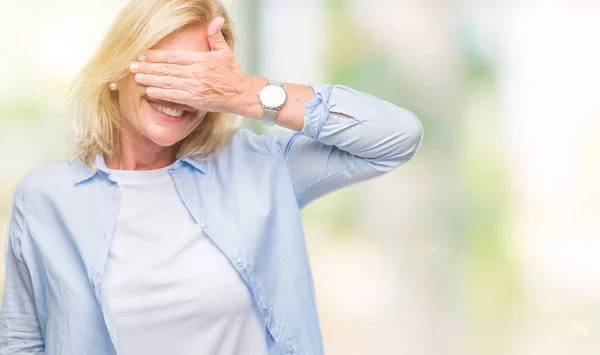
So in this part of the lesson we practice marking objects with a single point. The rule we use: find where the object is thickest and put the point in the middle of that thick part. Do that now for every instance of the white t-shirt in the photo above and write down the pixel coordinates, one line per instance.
(168, 287)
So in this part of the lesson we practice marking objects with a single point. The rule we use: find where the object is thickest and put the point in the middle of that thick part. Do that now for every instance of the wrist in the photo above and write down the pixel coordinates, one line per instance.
(249, 104)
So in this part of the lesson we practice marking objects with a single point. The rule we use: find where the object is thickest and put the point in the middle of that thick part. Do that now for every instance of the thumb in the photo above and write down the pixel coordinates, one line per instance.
(215, 36)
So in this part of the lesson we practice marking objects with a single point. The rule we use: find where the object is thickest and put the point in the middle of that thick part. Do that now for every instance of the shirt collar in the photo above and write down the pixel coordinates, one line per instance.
(198, 164)
(83, 172)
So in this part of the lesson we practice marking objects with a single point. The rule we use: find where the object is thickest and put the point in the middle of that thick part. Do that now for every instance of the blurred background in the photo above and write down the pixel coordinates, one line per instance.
(488, 242)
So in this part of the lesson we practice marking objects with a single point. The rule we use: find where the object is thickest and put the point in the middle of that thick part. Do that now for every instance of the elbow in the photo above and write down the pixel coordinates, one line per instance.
(408, 137)
(404, 141)
(412, 136)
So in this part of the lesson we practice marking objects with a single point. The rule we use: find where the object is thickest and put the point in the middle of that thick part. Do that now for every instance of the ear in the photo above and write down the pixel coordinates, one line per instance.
(215, 36)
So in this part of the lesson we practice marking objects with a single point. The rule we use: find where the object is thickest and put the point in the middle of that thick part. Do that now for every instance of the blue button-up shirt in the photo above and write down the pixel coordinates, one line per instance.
(247, 200)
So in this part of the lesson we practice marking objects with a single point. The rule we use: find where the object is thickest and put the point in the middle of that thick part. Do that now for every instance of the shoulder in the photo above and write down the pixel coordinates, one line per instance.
(43, 179)
(37, 183)
(247, 149)
(274, 144)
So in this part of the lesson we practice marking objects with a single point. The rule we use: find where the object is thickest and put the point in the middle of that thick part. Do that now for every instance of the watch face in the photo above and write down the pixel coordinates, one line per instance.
(272, 95)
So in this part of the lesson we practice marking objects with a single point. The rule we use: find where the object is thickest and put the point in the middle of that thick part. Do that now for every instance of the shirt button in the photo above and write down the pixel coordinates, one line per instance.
(264, 305)
(203, 224)
(239, 262)
(289, 349)
(182, 184)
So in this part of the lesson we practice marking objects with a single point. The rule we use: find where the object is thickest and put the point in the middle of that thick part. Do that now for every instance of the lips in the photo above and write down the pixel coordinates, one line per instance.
(170, 111)
(173, 112)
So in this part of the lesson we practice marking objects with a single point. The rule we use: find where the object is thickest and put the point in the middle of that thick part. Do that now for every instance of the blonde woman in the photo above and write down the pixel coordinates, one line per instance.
(173, 231)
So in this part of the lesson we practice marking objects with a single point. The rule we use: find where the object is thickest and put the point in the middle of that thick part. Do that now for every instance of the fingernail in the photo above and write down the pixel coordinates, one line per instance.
(138, 76)
(149, 91)
(134, 67)
(141, 58)
(221, 24)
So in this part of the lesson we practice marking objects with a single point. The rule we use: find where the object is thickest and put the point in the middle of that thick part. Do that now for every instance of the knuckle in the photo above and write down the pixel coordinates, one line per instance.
(171, 58)
(164, 70)
(169, 82)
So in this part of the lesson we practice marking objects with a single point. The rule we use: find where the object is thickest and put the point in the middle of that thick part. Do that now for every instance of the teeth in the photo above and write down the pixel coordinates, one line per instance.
(166, 110)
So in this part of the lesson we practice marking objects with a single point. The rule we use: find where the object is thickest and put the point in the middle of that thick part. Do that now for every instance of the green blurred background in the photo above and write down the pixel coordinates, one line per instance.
(488, 242)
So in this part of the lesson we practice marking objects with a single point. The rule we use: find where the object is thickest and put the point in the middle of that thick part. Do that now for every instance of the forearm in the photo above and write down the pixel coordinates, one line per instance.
(290, 116)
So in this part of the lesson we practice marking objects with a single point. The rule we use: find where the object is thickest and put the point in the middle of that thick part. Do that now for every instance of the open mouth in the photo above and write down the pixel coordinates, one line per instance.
(170, 111)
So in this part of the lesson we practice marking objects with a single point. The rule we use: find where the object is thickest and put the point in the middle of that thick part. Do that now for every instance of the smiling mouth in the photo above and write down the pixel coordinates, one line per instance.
(172, 112)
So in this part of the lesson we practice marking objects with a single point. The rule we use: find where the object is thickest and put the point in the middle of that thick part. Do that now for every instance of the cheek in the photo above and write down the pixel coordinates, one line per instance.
(130, 98)
(187, 127)
(195, 122)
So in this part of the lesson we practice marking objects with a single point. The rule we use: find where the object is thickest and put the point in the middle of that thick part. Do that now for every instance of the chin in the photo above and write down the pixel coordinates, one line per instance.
(165, 138)
(165, 130)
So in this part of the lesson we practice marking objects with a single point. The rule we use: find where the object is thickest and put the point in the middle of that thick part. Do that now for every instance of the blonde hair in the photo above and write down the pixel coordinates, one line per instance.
(94, 110)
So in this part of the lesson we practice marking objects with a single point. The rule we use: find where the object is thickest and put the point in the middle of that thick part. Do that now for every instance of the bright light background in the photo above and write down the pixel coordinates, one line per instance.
(487, 243)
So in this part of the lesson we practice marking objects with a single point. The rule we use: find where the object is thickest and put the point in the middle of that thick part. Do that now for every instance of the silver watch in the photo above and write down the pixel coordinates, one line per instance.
(272, 97)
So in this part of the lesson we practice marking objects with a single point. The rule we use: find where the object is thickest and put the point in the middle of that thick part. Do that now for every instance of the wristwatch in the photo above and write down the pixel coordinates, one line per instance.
(272, 97)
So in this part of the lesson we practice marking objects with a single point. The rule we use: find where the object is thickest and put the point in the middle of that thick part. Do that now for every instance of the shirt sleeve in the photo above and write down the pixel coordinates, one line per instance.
(19, 325)
(332, 152)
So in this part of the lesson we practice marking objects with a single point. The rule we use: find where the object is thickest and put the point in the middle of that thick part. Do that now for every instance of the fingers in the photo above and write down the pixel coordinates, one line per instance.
(170, 57)
(216, 40)
(158, 69)
(178, 96)
(160, 81)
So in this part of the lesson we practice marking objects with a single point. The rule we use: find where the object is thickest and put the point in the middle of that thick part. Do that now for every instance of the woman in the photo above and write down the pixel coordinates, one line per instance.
(175, 232)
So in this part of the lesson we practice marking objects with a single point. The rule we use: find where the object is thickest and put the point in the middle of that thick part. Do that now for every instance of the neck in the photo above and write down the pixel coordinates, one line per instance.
(140, 153)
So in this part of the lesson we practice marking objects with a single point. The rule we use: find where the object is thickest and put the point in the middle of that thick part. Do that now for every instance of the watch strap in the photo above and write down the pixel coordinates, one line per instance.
(269, 116)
